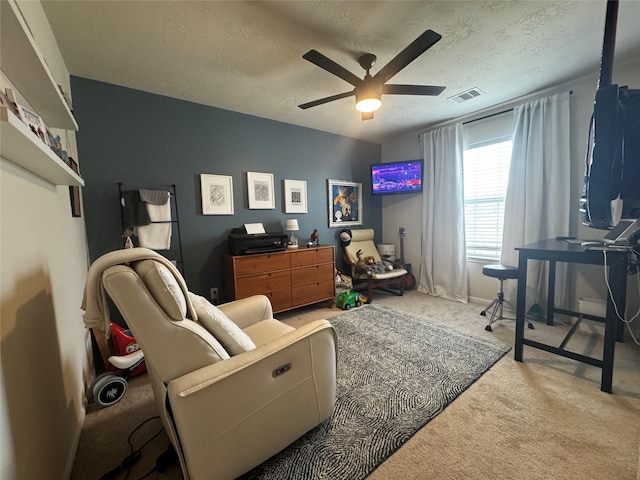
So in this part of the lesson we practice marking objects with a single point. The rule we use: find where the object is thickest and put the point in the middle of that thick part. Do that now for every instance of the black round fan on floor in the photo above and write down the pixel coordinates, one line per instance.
(368, 91)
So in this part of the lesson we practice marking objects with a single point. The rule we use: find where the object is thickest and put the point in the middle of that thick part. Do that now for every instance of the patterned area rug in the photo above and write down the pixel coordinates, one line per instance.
(396, 371)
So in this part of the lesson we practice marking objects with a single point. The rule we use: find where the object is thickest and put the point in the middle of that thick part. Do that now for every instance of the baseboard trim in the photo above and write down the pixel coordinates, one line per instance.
(73, 453)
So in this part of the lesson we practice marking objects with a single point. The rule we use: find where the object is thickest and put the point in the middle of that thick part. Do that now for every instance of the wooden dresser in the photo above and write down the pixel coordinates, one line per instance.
(291, 279)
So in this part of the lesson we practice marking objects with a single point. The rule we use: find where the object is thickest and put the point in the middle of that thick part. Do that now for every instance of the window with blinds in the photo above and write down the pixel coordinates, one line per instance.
(486, 173)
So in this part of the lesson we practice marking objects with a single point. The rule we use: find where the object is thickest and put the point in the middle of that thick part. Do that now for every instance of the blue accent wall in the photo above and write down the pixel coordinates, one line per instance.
(145, 140)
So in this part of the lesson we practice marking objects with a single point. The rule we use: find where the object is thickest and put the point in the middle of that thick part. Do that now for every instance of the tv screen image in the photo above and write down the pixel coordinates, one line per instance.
(396, 177)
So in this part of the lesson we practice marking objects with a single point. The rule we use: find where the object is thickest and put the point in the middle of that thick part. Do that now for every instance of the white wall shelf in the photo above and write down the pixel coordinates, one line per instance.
(22, 147)
(25, 66)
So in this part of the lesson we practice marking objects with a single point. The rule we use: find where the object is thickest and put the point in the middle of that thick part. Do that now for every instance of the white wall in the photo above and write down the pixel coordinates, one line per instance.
(584, 281)
(43, 253)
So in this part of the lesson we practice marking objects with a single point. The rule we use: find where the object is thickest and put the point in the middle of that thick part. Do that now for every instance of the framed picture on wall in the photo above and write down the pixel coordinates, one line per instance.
(217, 194)
(260, 190)
(74, 192)
(295, 196)
(345, 203)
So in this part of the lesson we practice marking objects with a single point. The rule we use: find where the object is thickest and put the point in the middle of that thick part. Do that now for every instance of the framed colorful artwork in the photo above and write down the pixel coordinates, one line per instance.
(345, 203)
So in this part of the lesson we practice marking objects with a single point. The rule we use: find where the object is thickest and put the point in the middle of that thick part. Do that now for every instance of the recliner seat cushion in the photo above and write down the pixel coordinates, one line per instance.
(232, 338)
(267, 330)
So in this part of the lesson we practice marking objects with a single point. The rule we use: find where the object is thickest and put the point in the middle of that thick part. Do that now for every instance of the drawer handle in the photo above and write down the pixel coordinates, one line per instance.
(282, 369)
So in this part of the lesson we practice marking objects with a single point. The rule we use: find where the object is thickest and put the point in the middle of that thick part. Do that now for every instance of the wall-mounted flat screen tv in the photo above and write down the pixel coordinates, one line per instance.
(396, 177)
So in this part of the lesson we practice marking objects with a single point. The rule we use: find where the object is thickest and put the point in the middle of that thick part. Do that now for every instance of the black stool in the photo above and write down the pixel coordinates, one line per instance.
(502, 273)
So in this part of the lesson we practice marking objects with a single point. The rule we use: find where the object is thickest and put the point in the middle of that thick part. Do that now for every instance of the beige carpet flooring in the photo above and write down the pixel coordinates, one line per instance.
(544, 418)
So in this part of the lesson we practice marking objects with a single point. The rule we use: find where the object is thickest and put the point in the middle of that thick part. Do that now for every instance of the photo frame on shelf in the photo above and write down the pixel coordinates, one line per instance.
(34, 122)
(74, 192)
(345, 203)
(260, 190)
(217, 194)
(295, 196)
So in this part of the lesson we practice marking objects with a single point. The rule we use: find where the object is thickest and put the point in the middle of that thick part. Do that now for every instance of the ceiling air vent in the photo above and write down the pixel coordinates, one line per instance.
(468, 95)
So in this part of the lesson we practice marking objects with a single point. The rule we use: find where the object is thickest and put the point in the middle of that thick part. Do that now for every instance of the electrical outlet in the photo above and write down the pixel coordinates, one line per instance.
(213, 294)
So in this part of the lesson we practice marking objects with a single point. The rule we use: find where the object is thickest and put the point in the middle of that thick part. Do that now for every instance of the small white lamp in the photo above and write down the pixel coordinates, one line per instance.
(292, 226)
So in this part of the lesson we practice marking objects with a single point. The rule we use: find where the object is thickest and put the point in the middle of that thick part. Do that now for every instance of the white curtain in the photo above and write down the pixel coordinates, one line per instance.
(537, 201)
(443, 267)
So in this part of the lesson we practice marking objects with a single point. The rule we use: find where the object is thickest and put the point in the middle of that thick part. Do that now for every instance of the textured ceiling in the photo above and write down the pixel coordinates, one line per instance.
(247, 56)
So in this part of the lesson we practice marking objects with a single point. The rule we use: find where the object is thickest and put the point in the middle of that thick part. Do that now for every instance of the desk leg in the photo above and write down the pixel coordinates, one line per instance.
(614, 328)
(618, 283)
(551, 292)
(521, 305)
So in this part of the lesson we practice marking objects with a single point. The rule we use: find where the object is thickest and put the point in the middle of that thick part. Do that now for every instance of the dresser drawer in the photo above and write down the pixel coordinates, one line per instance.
(250, 264)
(280, 300)
(262, 283)
(312, 293)
(290, 279)
(311, 256)
(314, 274)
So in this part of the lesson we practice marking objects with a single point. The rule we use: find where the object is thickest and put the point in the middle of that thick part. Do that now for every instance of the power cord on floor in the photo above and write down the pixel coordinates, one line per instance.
(163, 462)
(623, 316)
(134, 454)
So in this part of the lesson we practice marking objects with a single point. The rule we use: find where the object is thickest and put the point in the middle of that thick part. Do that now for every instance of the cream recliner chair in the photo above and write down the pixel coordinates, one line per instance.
(232, 384)
(361, 245)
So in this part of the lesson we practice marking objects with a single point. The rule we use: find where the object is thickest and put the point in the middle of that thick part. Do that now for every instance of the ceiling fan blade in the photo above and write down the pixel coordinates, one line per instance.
(408, 55)
(412, 90)
(367, 116)
(330, 66)
(315, 103)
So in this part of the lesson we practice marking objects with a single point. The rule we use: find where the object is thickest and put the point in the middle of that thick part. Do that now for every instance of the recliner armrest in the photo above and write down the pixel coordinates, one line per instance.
(285, 387)
(247, 311)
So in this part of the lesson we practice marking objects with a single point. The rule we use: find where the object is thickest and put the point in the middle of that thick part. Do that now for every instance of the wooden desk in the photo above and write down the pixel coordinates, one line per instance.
(561, 251)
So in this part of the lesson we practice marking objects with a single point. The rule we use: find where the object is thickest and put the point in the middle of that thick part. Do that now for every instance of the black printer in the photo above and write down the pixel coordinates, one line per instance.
(242, 243)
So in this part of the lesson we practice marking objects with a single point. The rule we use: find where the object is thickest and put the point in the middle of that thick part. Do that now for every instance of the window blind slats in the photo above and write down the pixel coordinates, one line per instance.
(486, 173)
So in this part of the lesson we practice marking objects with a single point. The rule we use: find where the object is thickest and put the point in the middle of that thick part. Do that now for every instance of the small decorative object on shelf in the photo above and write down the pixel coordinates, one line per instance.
(292, 226)
(5, 102)
(35, 123)
(314, 240)
(10, 98)
(59, 148)
(66, 98)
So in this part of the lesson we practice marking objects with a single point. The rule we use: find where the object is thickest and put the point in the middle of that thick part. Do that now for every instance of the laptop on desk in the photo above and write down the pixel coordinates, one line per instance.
(618, 235)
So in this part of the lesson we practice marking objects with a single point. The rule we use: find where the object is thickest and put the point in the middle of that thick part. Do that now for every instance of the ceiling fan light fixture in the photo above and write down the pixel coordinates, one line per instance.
(368, 105)
(368, 98)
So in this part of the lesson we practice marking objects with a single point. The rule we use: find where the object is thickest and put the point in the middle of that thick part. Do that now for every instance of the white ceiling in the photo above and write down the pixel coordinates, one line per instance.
(247, 56)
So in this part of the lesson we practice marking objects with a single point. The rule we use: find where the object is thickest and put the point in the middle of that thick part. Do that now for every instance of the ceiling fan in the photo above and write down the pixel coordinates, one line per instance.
(369, 89)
